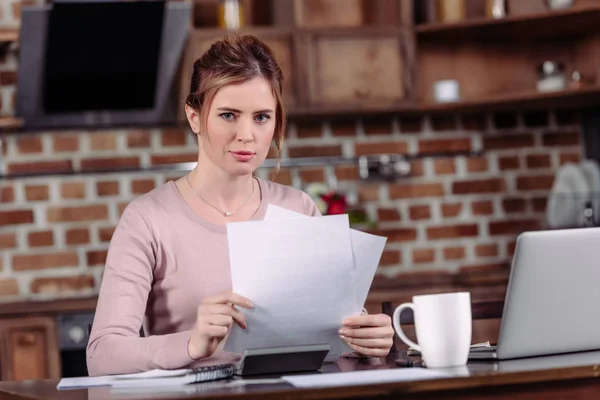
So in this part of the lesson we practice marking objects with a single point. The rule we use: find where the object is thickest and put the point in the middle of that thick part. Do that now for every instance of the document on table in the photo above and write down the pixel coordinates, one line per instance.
(366, 250)
(300, 275)
(356, 378)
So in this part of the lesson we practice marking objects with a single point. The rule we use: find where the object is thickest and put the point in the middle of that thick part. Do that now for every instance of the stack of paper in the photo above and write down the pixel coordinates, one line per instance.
(305, 275)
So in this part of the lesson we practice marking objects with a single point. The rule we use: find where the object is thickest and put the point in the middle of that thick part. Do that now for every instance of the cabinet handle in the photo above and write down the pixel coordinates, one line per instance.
(26, 339)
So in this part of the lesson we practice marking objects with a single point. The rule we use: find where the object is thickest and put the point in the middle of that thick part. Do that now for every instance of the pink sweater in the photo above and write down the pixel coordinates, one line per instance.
(163, 259)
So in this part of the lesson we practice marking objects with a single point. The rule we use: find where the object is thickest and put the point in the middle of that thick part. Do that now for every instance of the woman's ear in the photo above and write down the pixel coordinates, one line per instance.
(193, 118)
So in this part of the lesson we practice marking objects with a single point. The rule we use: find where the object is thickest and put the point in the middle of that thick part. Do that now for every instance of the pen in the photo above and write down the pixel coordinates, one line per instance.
(404, 363)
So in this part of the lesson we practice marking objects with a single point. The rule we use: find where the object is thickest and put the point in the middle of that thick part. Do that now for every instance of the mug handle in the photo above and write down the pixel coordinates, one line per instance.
(398, 328)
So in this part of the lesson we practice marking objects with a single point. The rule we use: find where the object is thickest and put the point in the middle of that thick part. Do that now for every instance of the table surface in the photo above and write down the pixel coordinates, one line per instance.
(561, 376)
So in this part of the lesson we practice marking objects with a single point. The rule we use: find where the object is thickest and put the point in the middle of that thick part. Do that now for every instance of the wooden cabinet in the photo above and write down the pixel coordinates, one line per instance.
(29, 349)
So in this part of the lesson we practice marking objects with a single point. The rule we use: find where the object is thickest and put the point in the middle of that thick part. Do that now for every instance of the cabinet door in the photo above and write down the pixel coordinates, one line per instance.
(30, 349)
(352, 71)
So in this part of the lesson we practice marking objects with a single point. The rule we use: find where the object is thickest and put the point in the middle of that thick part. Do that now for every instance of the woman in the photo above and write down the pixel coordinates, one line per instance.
(168, 260)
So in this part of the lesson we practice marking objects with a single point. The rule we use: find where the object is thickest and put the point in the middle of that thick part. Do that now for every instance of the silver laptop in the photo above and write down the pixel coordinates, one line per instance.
(552, 304)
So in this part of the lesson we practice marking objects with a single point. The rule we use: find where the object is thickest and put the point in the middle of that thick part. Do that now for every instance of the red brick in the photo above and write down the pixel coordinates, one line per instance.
(36, 192)
(65, 143)
(308, 175)
(174, 137)
(110, 163)
(390, 257)
(77, 236)
(388, 214)
(421, 256)
(419, 212)
(70, 284)
(8, 78)
(398, 234)
(560, 139)
(96, 257)
(539, 204)
(121, 207)
(444, 166)
(72, 190)
(537, 182)
(9, 287)
(454, 253)
(451, 209)
(444, 145)
(510, 248)
(508, 163)
(283, 176)
(513, 227)
(538, 161)
(514, 205)
(142, 186)
(368, 192)
(379, 125)
(28, 262)
(29, 144)
(477, 164)
(72, 214)
(8, 241)
(411, 123)
(492, 185)
(343, 127)
(105, 233)
(107, 188)
(7, 194)
(315, 151)
(486, 250)
(40, 166)
(443, 122)
(103, 141)
(139, 138)
(309, 128)
(347, 173)
(40, 239)
(15, 217)
(416, 169)
(569, 157)
(415, 190)
(452, 231)
(160, 159)
(484, 207)
(508, 142)
(373, 148)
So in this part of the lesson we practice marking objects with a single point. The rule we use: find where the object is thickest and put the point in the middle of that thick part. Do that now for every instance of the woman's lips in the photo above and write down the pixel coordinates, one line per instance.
(242, 156)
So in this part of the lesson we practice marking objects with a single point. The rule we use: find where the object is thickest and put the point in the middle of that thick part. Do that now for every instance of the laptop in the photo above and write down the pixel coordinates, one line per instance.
(553, 296)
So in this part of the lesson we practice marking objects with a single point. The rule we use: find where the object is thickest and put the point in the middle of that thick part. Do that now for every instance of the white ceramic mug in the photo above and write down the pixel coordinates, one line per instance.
(443, 326)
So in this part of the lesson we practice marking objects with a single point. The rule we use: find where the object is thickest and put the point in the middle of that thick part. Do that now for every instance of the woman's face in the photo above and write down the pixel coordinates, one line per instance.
(240, 127)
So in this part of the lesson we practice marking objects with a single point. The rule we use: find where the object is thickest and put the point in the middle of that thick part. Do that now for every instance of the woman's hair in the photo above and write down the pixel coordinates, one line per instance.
(231, 60)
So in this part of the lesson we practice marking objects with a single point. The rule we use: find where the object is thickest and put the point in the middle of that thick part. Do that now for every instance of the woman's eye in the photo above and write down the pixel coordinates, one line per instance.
(262, 118)
(227, 116)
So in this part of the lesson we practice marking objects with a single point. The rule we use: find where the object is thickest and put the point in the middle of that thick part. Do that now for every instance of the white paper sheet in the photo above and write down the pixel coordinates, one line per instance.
(366, 249)
(356, 378)
(107, 380)
(300, 275)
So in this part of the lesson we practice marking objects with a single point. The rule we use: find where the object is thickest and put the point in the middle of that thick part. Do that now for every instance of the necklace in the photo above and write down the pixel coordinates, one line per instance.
(225, 213)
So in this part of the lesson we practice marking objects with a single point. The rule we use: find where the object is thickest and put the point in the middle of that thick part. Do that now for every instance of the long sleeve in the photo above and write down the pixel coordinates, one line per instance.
(309, 206)
(115, 346)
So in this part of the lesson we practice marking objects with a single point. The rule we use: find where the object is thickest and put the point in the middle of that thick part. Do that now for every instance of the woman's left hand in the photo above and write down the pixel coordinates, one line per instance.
(369, 334)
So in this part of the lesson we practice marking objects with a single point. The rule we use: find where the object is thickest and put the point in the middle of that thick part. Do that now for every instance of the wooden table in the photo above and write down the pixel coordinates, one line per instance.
(553, 377)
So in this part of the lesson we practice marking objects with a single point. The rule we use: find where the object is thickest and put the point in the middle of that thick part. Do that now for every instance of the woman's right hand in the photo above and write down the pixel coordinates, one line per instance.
(214, 319)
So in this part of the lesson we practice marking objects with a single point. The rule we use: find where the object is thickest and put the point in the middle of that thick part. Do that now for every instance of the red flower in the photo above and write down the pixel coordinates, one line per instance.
(337, 207)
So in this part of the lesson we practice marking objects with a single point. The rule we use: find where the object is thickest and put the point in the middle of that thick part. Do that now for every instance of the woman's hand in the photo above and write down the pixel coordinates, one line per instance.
(214, 319)
(369, 335)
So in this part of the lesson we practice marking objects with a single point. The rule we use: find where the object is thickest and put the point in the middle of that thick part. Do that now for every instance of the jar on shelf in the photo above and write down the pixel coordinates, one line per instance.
(451, 10)
(551, 76)
(231, 14)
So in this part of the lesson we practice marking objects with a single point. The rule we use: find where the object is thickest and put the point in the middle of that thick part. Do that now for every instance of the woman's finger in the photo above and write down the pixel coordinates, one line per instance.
(218, 319)
(229, 297)
(225, 309)
(372, 320)
(370, 343)
(369, 352)
(372, 333)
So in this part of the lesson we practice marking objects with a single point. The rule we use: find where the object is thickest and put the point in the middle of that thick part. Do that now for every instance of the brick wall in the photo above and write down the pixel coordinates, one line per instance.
(450, 214)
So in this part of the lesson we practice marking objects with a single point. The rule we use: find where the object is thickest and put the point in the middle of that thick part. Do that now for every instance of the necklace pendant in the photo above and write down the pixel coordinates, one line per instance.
(227, 214)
